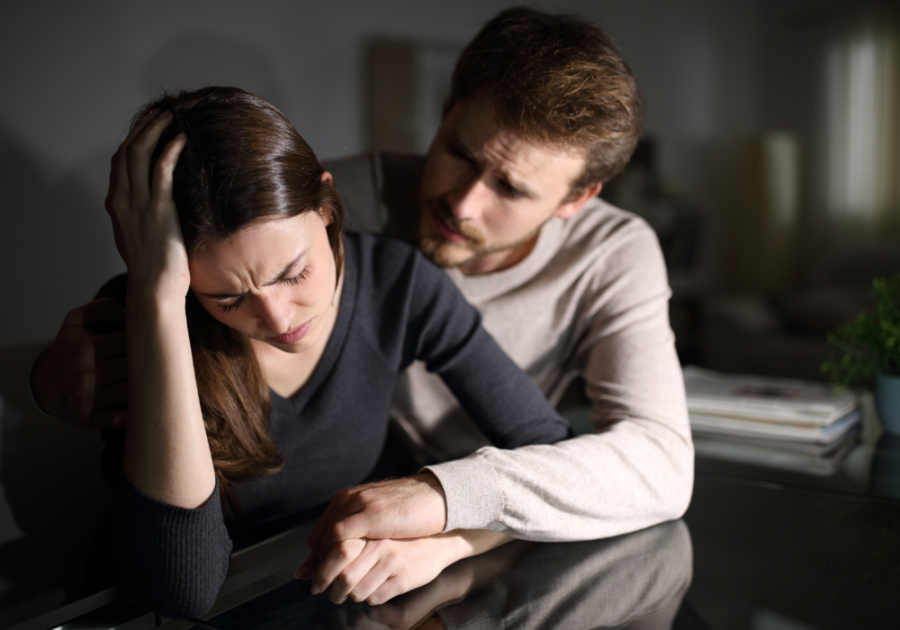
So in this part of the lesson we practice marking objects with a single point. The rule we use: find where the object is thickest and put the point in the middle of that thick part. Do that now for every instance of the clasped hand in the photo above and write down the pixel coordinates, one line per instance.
(382, 539)
(142, 210)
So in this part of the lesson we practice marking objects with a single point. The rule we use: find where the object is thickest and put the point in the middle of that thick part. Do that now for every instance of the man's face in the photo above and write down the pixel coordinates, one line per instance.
(486, 192)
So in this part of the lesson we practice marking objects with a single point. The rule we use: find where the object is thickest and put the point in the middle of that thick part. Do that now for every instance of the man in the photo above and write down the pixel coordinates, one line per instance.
(543, 110)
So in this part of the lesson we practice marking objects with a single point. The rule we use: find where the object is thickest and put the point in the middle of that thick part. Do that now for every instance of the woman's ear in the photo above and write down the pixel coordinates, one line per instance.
(326, 211)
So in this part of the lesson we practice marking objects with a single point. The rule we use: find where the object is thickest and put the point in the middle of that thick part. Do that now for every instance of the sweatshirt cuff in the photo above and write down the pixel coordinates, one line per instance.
(473, 493)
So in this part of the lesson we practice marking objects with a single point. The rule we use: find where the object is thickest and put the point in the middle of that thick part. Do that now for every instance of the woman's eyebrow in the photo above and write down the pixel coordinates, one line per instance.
(281, 274)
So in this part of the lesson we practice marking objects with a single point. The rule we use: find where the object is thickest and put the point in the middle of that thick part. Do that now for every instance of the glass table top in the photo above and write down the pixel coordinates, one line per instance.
(760, 548)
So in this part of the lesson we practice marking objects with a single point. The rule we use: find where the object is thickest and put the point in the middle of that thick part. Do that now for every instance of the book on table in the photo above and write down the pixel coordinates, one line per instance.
(782, 423)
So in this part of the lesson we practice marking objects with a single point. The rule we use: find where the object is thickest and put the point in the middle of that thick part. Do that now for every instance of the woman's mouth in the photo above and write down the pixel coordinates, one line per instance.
(292, 336)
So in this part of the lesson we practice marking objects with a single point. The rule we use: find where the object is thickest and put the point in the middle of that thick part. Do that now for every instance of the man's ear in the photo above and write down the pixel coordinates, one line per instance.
(571, 207)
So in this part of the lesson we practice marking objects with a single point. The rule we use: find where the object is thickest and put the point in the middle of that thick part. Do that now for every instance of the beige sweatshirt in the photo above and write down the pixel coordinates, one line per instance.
(590, 301)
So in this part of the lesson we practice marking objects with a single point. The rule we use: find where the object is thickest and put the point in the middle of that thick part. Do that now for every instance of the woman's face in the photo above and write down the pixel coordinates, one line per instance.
(274, 280)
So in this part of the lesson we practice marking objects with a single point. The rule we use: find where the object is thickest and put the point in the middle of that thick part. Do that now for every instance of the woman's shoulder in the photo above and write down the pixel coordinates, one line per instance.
(382, 258)
(393, 269)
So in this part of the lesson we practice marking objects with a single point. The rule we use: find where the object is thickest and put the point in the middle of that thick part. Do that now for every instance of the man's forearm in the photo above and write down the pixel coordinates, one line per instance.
(592, 486)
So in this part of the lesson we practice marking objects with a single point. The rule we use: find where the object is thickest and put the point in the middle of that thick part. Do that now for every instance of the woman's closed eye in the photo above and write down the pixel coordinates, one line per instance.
(296, 279)
(293, 280)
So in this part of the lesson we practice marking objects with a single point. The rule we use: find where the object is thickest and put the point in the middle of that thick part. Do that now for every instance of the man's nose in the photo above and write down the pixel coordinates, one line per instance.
(274, 313)
(467, 201)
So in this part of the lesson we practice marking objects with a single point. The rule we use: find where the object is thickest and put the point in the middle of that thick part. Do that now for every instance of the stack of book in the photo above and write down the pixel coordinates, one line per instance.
(800, 425)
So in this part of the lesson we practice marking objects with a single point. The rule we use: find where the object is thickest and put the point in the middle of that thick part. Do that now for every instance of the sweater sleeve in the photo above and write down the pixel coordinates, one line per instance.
(636, 468)
(445, 332)
(172, 559)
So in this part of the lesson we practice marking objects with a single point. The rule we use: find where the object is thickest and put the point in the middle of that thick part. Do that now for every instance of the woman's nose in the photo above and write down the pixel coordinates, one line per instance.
(274, 313)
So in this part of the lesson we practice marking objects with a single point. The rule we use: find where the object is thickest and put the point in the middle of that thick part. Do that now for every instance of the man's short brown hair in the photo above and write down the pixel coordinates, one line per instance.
(555, 79)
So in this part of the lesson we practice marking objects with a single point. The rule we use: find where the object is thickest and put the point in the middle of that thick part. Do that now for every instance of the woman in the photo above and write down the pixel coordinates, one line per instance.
(263, 345)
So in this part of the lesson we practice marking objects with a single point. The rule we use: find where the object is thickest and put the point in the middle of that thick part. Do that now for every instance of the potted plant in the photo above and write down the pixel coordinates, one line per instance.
(871, 345)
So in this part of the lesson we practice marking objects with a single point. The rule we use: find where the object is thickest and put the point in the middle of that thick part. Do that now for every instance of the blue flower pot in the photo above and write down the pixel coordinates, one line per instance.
(887, 401)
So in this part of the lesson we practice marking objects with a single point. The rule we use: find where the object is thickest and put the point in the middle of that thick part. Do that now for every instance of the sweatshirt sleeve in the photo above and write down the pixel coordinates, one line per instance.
(636, 468)
(445, 332)
(172, 559)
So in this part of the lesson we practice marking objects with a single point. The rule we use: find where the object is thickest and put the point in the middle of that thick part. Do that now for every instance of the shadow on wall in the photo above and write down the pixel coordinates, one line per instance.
(194, 60)
(52, 500)
(55, 243)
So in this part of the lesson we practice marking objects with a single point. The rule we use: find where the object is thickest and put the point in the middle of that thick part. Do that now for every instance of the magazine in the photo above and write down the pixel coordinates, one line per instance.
(775, 429)
(713, 394)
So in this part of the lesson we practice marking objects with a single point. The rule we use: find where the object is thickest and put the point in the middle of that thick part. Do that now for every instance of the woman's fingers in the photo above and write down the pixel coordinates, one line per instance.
(138, 154)
(335, 562)
(118, 173)
(373, 579)
(165, 168)
(139, 126)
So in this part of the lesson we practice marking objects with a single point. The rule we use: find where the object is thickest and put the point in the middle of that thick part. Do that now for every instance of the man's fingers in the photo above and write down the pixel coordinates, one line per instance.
(111, 372)
(109, 419)
(346, 527)
(318, 533)
(109, 346)
(138, 154)
(103, 315)
(111, 397)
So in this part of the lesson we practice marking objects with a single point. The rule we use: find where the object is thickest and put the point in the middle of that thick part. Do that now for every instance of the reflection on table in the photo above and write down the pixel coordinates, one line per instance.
(628, 581)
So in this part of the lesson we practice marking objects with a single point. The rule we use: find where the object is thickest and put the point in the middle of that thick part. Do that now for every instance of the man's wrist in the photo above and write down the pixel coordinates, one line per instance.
(40, 364)
(440, 513)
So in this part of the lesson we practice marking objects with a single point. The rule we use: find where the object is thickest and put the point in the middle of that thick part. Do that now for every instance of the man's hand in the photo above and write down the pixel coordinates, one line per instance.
(82, 378)
(413, 507)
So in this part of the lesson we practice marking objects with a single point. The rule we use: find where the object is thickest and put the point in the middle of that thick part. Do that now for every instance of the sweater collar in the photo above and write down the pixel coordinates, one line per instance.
(484, 287)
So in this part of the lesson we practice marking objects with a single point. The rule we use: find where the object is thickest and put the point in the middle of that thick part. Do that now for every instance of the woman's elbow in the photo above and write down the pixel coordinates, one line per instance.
(191, 601)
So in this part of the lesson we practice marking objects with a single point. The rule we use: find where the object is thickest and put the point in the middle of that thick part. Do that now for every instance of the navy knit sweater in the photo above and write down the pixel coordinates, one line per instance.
(396, 307)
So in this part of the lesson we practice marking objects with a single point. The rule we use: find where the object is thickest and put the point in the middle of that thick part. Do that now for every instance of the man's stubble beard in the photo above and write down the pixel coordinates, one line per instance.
(446, 254)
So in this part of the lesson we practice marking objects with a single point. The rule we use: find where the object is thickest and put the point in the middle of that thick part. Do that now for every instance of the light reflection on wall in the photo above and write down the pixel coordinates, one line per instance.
(862, 119)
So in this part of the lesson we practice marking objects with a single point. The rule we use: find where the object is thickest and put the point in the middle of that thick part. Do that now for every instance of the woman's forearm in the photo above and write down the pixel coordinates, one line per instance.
(465, 543)
(167, 454)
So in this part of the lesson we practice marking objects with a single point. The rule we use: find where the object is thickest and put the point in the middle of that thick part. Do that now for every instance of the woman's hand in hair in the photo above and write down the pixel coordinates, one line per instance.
(140, 204)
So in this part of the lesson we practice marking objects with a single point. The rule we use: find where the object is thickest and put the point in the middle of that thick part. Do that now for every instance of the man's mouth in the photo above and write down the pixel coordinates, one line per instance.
(446, 231)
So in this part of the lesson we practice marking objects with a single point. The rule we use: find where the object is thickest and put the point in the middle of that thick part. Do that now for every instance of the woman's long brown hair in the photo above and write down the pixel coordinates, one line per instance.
(243, 161)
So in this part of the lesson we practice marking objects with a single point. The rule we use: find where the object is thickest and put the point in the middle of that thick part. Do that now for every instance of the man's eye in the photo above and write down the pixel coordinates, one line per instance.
(508, 190)
(459, 154)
